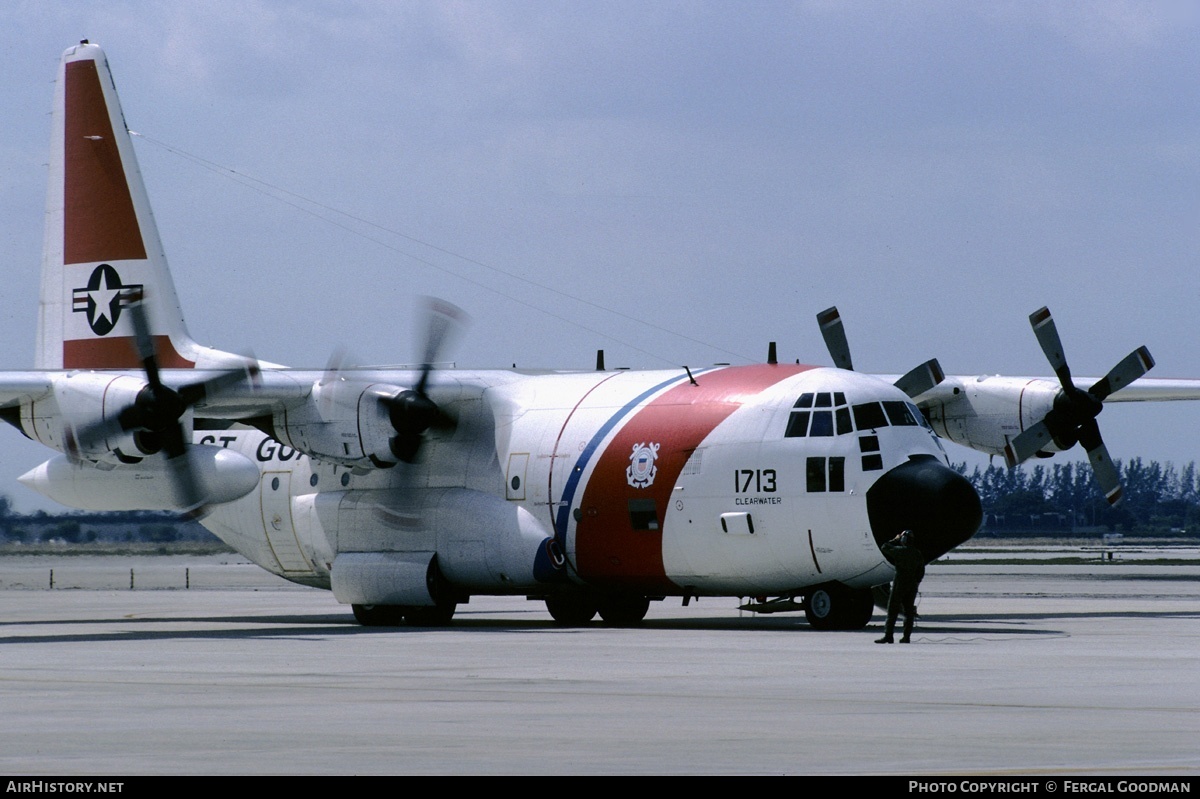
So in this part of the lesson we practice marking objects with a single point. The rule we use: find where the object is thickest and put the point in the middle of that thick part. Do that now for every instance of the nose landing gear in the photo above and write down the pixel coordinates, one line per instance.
(834, 606)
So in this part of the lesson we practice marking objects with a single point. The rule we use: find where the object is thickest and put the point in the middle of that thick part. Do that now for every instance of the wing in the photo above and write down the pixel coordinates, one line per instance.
(1020, 417)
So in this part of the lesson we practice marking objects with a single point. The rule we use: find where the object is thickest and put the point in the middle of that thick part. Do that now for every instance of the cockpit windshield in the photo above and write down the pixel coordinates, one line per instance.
(827, 413)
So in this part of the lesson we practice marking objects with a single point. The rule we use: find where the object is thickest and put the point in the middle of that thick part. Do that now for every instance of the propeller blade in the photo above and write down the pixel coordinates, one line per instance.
(194, 393)
(85, 438)
(1047, 336)
(921, 379)
(190, 495)
(1074, 415)
(1105, 470)
(834, 334)
(1027, 444)
(144, 341)
(442, 321)
(1131, 367)
(413, 412)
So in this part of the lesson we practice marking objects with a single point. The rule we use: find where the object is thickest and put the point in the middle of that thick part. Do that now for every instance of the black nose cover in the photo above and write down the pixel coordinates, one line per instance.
(937, 503)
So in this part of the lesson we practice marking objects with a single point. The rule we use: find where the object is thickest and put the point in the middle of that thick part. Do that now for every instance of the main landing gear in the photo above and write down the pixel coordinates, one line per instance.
(834, 606)
(617, 610)
(396, 615)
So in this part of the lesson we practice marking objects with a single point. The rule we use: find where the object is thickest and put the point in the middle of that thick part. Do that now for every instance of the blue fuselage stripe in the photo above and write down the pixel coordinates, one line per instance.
(568, 495)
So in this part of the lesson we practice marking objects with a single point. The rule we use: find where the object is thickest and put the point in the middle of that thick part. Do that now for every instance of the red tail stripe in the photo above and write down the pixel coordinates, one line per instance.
(99, 220)
(119, 353)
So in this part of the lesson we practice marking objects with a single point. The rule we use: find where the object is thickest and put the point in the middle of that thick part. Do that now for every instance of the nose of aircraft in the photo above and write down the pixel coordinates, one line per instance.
(937, 503)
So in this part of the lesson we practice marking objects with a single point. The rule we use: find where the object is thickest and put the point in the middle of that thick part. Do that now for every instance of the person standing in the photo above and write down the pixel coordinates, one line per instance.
(909, 563)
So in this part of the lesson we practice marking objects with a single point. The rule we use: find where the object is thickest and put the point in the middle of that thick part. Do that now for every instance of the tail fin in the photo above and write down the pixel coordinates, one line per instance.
(101, 249)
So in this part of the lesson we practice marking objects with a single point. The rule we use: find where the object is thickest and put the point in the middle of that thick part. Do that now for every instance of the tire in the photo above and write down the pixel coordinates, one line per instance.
(623, 610)
(378, 615)
(571, 610)
(837, 607)
(430, 615)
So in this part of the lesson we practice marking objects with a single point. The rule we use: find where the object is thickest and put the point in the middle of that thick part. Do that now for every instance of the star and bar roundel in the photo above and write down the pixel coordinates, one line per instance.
(103, 298)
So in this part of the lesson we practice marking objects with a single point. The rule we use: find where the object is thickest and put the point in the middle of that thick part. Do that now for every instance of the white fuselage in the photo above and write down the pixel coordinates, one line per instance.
(646, 482)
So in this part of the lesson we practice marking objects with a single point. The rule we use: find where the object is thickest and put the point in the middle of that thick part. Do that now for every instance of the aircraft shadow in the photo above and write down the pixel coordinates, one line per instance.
(253, 627)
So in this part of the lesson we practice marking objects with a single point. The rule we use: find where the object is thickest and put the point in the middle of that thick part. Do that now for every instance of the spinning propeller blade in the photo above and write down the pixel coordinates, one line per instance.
(412, 412)
(156, 415)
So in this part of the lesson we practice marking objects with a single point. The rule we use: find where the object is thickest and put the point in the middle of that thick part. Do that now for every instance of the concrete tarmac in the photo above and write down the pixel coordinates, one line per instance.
(1032, 670)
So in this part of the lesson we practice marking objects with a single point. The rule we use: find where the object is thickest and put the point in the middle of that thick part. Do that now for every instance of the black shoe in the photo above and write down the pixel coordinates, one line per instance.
(887, 639)
(903, 640)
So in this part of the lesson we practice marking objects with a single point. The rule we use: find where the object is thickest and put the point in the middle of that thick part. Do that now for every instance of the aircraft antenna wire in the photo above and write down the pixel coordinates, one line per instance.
(273, 191)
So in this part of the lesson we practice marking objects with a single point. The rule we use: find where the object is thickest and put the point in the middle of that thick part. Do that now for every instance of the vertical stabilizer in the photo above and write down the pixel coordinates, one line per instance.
(101, 251)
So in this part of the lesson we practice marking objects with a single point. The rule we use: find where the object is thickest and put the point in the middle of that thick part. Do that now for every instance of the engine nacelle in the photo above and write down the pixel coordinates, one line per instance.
(988, 412)
(344, 422)
(386, 541)
(223, 475)
(85, 400)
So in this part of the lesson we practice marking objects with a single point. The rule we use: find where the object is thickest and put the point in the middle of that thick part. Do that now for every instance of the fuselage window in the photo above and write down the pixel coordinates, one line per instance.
(805, 401)
(872, 461)
(824, 400)
(843, 422)
(837, 474)
(643, 515)
(819, 480)
(816, 475)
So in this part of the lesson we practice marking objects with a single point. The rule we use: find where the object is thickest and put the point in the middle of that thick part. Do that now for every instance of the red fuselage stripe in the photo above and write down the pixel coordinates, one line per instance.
(609, 550)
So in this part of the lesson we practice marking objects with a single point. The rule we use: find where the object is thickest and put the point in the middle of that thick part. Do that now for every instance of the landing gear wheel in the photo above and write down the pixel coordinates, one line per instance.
(571, 610)
(378, 615)
(430, 615)
(837, 607)
(623, 610)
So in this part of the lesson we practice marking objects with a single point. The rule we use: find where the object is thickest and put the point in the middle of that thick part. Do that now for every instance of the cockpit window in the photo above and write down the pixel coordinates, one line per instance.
(797, 425)
(899, 414)
(843, 421)
(827, 413)
(920, 417)
(868, 416)
(832, 418)
(822, 423)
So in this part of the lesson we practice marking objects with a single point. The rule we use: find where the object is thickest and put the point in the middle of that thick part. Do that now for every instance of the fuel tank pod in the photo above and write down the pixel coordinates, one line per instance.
(223, 476)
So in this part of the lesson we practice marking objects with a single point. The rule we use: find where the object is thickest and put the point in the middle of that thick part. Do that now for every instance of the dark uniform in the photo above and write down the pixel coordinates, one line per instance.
(903, 554)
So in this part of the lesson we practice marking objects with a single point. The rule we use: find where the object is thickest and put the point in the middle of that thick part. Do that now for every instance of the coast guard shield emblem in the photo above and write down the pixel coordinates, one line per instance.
(641, 469)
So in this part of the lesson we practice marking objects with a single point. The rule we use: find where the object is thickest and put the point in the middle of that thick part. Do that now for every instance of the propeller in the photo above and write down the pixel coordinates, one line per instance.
(835, 338)
(155, 415)
(412, 412)
(1072, 420)
(915, 383)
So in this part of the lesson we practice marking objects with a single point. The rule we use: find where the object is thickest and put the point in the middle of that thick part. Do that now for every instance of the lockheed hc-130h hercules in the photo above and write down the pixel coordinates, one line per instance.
(408, 491)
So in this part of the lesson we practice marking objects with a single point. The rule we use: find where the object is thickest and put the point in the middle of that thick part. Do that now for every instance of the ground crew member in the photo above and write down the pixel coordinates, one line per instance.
(903, 554)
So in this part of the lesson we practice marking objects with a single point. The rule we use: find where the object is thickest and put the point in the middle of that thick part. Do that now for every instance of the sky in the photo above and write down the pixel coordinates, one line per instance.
(676, 183)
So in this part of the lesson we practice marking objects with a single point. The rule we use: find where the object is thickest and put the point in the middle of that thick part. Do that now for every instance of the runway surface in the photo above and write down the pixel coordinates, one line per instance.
(1038, 670)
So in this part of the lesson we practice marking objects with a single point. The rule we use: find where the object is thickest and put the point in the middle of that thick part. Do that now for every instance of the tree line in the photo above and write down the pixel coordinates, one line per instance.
(1063, 498)
(1058, 499)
